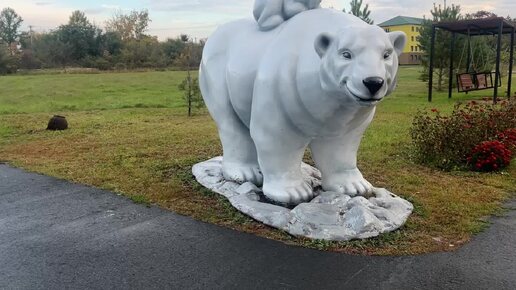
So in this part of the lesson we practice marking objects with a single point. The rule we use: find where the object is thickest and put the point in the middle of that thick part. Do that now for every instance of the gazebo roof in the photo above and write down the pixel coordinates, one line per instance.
(482, 26)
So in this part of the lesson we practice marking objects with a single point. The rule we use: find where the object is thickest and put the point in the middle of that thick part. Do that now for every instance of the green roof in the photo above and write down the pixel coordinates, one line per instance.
(402, 20)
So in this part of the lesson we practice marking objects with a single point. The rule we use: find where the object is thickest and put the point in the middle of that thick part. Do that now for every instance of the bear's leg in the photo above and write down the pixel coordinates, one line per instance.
(280, 156)
(336, 157)
(240, 163)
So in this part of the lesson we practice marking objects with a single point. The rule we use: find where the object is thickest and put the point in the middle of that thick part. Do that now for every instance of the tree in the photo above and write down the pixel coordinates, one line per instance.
(10, 23)
(51, 51)
(356, 9)
(480, 14)
(80, 35)
(184, 38)
(129, 26)
(442, 45)
(188, 59)
(145, 52)
(9, 63)
(173, 48)
(4, 60)
(110, 42)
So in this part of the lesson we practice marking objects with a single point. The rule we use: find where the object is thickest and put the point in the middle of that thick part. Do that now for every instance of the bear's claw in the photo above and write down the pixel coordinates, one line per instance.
(242, 173)
(351, 183)
(290, 192)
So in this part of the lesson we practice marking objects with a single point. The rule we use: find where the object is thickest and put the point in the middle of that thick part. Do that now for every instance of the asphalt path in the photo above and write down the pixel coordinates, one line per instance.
(58, 235)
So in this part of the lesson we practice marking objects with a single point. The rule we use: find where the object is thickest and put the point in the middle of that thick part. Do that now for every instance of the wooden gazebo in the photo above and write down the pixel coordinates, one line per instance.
(475, 27)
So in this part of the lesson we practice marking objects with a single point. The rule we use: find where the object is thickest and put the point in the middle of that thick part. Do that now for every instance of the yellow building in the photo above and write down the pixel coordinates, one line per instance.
(411, 26)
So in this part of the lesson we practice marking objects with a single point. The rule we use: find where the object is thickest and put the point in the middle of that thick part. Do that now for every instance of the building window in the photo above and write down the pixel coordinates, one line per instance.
(412, 28)
(412, 38)
(412, 48)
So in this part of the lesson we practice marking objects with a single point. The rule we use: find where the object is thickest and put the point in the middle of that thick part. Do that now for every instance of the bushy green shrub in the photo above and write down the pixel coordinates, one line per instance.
(9, 64)
(447, 141)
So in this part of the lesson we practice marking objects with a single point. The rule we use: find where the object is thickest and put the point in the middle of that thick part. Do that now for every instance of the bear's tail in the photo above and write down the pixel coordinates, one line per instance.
(272, 13)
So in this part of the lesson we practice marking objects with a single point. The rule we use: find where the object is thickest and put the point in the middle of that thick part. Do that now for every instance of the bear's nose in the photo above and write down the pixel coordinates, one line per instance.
(374, 84)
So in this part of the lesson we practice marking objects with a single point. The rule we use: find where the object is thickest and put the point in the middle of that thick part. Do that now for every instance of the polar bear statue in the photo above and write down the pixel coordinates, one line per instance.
(313, 81)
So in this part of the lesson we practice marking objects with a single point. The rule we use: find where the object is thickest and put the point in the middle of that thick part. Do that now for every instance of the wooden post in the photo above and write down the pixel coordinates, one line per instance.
(498, 59)
(431, 70)
(450, 77)
(469, 50)
(511, 63)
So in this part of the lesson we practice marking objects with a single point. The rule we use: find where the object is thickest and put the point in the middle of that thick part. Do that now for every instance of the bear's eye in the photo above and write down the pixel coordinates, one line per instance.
(346, 54)
(387, 54)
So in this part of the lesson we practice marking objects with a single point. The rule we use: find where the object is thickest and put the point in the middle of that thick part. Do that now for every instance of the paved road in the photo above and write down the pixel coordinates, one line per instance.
(57, 235)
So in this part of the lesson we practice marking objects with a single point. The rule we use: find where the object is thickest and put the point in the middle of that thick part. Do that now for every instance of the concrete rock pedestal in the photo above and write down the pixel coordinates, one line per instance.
(330, 216)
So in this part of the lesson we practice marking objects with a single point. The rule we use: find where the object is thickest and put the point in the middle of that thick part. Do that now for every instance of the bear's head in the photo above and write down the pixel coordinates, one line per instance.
(360, 64)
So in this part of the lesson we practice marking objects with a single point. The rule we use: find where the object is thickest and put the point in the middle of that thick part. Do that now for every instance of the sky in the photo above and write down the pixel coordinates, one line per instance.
(199, 18)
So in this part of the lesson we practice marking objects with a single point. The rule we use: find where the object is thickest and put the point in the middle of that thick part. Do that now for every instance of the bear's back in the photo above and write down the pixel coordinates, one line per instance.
(243, 44)
(296, 38)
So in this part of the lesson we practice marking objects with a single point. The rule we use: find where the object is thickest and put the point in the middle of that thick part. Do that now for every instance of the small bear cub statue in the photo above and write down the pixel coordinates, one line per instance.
(272, 13)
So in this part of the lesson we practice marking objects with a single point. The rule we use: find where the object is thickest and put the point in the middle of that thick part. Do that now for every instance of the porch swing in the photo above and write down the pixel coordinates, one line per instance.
(472, 80)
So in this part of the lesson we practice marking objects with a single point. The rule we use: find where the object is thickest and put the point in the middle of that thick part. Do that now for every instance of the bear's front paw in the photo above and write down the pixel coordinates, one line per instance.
(242, 173)
(292, 192)
(350, 182)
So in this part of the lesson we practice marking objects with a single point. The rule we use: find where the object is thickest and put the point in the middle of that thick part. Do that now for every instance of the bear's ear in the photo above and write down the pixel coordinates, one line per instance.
(398, 40)
(322, 43)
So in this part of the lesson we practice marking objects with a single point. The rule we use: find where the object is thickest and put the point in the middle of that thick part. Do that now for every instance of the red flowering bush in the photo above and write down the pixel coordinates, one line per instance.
(489, 156)
(446, 141)
(508, 138)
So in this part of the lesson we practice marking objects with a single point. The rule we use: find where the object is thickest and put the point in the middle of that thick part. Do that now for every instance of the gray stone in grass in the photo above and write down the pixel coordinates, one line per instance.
(330, 216)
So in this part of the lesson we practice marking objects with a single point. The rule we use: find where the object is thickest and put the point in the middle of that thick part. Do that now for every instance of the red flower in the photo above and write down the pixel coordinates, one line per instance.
(490, 156)
(508, 138)
(435, 110)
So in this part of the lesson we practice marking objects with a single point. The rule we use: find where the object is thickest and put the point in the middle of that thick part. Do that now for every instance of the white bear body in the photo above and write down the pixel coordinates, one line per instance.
(274, 93)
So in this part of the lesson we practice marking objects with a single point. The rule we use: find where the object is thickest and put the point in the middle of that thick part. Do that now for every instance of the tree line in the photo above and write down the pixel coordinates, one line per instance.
(122, 44)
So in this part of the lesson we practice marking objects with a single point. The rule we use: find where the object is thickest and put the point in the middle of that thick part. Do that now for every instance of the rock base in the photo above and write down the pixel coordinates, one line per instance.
(330, 216)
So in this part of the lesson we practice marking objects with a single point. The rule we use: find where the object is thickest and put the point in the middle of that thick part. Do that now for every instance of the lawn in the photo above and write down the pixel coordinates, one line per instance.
(129, 133)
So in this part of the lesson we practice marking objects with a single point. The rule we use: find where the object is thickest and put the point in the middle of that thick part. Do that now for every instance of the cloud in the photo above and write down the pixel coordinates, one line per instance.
(212, 6)
(102, 9)
(385, 9)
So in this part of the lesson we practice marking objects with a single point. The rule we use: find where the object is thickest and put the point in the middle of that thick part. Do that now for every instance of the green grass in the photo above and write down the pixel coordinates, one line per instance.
(129, 133)
(86, 92)
(140, 199)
